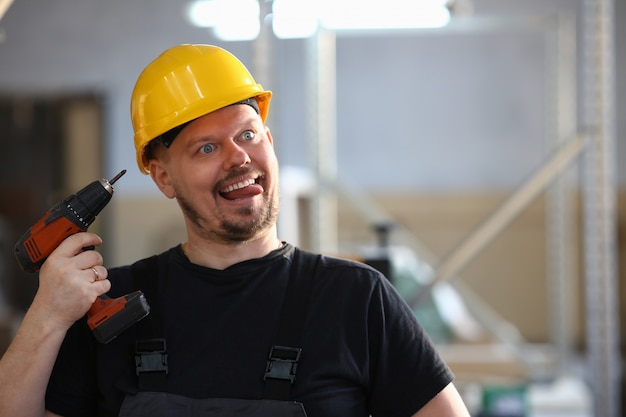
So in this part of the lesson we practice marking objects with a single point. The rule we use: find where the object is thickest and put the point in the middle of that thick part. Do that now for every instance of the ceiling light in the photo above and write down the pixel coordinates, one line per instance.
(231, 20)
(240, 19)
(396, 14)
(294, 18)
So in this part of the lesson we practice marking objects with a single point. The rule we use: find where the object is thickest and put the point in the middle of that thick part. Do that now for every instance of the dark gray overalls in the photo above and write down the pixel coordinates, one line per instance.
(161, 404)
(151, 357)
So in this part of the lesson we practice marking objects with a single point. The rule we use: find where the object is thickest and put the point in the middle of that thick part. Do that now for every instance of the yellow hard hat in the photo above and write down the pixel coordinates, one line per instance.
(184, 83)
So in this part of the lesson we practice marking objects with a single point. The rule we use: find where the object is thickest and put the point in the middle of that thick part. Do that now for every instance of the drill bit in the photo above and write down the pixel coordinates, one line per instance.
(117, 177)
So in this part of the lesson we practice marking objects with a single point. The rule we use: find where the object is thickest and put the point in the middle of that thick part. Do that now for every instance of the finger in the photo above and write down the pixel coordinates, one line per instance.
(86, 260)
(99, 273)
(96, 276)
(76, 243)
(102, 286)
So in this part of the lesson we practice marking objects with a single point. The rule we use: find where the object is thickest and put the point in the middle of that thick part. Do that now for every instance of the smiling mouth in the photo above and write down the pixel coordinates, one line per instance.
(245, 188)
(238, 186)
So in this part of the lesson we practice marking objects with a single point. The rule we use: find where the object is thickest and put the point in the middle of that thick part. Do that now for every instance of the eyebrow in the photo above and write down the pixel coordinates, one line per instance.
(244, 124)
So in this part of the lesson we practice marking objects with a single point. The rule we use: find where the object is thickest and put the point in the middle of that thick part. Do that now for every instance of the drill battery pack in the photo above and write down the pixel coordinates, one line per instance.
(108, 317)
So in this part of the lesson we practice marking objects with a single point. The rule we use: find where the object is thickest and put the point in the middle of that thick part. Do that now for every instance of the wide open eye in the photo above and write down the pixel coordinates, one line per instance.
(207, 148)
(248, 135)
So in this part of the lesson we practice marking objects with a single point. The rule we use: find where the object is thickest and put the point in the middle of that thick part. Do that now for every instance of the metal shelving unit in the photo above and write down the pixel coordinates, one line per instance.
(600, 224)
(592, 136)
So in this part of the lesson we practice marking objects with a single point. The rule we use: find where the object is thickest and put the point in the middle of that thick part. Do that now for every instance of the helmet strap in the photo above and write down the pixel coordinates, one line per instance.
(250, 102)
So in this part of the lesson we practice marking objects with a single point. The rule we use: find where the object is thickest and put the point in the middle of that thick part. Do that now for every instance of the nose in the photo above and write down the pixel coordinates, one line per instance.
(235, 156)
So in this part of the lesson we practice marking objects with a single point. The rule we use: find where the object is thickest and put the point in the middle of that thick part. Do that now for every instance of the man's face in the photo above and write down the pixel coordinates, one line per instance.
(223, 171)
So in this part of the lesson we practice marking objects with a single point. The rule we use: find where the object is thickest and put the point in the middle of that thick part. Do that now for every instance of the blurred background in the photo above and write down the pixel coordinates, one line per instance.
(473, 151)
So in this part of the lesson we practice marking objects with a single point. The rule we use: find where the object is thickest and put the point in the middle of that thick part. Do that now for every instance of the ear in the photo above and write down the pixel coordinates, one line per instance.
(269, 135)
(161, 178)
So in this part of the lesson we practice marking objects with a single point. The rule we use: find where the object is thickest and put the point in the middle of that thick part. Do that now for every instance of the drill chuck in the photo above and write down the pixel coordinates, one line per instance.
(86, 204)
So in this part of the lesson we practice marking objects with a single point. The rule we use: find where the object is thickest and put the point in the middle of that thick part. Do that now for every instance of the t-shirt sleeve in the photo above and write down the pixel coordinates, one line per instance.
(407, 371)
(72, 387)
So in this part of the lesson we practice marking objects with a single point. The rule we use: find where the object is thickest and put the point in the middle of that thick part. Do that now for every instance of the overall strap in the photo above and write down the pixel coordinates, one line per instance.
(151, 349)
(281, 367)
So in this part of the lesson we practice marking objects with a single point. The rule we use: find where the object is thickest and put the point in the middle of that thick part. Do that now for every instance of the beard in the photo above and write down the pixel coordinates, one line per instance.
(246, 224)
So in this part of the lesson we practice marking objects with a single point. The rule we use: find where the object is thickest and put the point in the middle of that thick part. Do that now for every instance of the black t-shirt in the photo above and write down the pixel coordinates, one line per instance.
(363, 351)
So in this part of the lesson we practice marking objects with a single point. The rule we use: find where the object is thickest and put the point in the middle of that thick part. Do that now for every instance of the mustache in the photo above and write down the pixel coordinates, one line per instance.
(238, 172)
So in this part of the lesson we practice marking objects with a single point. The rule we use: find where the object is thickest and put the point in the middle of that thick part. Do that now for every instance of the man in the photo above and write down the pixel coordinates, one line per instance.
(241, 323)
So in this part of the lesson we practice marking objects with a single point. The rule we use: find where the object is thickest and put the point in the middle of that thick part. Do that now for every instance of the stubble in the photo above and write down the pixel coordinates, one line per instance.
(242, 226)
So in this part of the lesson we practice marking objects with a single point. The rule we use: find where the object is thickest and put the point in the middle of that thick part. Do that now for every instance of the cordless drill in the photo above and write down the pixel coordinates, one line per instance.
(107, 317)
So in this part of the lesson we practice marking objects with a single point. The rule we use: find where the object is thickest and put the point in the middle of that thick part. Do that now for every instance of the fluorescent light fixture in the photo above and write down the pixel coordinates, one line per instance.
(240, 20)
(231, 20)
(391, 14)
(294, 18)
(203, 13)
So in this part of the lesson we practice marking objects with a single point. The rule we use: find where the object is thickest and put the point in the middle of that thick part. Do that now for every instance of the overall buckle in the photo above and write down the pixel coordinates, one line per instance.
(151, 356)
(282, 363)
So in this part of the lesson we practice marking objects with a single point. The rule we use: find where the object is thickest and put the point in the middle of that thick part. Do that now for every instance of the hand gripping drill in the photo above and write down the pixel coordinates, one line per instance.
(107, 317)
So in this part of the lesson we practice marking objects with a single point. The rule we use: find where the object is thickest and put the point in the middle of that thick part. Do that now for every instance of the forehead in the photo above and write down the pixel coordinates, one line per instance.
(226, 118)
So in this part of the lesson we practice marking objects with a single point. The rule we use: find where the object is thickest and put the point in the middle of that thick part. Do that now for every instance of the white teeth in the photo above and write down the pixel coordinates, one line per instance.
(239, 185)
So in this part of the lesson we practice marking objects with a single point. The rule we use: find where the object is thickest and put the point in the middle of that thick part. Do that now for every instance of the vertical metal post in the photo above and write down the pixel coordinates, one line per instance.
(262, 47)
(321, 98)
(600, 225)
(560, 199)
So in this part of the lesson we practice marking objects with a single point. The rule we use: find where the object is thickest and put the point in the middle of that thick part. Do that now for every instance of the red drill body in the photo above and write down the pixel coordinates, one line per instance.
(107, 317)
